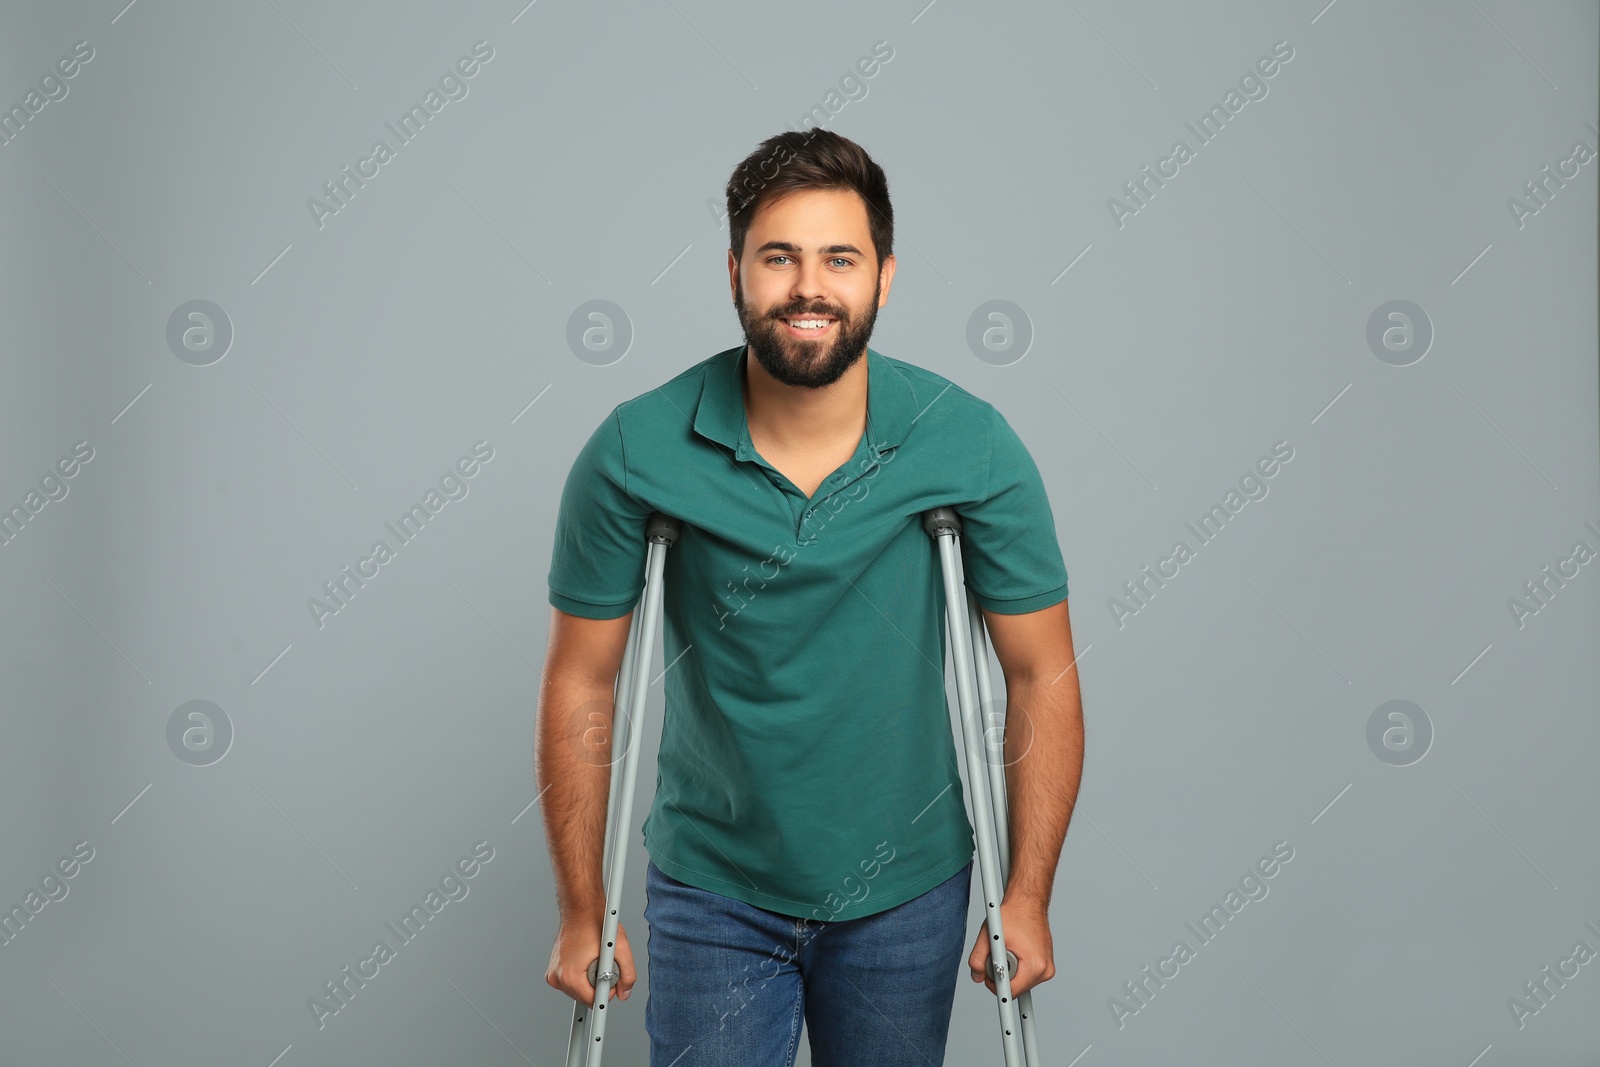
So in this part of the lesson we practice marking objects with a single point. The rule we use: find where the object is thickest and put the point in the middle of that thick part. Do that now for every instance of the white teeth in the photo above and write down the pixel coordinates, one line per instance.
(808, 324)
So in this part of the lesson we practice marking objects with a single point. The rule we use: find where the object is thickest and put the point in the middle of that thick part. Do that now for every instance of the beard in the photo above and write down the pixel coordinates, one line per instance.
(795, 361)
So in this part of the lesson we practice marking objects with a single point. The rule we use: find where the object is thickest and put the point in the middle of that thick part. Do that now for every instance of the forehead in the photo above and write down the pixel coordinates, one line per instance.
(822, 211)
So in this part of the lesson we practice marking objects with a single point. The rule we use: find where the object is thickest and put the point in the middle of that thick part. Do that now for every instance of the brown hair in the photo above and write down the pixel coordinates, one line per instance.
(813, 159)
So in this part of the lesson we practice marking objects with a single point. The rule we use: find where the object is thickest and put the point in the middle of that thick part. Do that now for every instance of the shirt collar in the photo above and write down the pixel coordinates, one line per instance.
(720, 415)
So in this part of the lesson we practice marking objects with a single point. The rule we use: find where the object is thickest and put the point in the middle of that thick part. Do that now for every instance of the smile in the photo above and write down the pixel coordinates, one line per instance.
(808, 327)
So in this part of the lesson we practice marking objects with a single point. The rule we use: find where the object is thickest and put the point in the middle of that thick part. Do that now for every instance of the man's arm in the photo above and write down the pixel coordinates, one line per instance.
(1044, 764)
(572, 754)
(1044, 741)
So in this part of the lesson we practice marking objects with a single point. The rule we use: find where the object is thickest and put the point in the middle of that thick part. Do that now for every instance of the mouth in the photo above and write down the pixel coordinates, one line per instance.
(808, 326)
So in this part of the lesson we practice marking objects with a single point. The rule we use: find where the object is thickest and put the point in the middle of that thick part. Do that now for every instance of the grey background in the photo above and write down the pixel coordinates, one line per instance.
(370, 354)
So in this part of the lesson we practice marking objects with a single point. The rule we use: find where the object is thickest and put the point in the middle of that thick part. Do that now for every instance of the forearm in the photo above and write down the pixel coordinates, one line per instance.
(1044, 764)
(572, 755)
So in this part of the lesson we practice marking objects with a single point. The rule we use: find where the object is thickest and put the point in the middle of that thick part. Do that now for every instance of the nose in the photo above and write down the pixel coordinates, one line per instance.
(808, 284)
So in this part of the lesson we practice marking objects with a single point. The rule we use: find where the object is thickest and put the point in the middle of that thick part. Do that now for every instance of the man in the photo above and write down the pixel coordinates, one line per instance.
(810, 854)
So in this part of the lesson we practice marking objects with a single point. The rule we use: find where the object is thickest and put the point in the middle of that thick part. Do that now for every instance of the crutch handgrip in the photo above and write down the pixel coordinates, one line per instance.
(994, 965)
(612, 976)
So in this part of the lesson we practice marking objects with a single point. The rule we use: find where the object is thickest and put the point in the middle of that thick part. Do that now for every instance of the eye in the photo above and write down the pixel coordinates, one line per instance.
(773, 259)
(841, 259)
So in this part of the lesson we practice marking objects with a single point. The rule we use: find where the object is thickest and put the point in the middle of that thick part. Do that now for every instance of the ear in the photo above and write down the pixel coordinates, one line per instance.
(886, 278)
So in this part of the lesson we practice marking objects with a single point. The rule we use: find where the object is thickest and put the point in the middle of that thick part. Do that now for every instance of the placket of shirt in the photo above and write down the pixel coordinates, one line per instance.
(746, 453)
(811, 517)
(803, 511)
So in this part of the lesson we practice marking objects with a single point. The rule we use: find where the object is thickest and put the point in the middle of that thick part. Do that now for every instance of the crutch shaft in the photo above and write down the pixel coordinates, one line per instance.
(942, 525)
(619, 845)
(997, 783)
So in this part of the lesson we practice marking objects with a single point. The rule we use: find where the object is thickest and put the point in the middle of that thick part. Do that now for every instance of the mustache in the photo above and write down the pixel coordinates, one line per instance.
(795, 313)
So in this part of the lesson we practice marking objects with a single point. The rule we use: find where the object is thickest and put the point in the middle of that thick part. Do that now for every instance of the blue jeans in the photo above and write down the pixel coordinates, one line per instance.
(729, 981)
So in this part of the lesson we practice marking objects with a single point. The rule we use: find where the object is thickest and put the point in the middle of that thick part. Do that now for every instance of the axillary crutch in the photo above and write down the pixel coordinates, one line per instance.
(587, 1040)
(986, 777)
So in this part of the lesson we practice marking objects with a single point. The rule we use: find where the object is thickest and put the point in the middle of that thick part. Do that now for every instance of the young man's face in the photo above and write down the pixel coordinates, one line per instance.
(808, 256)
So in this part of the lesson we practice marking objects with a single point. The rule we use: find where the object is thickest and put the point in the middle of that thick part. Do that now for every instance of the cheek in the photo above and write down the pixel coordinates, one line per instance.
(861, 301)
(761, 295)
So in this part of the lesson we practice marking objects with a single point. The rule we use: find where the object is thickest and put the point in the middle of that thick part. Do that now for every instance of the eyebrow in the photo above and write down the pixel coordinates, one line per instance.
(789, 246)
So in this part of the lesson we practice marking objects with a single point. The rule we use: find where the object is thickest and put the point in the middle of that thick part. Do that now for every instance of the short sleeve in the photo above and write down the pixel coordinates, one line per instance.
(598, 557)
(1010, 556)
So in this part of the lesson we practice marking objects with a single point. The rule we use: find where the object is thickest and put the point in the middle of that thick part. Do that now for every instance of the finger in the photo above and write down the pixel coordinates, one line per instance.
(1028, 975)
(978, 959)
(988, 975)
(625, 964)
(572, 984)
(1039, 974)
(978, 963)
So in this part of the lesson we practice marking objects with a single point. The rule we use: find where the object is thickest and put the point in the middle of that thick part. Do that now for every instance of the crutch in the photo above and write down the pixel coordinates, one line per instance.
(586, 1042)
(986, 776)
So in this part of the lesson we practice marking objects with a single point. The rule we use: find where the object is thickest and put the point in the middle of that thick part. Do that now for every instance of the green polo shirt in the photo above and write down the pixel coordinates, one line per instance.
(807, 761)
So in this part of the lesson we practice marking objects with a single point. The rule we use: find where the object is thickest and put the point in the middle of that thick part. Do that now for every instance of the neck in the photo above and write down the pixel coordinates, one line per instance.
(800, 418)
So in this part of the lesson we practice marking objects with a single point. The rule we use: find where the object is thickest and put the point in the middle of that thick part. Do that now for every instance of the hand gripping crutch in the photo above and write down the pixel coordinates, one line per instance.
(986, 776)
(587, 1039)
